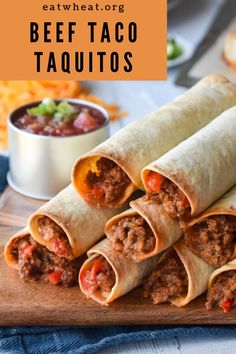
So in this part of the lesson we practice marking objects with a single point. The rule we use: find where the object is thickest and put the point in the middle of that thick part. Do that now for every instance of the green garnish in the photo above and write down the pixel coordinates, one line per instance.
(61, 112)
(58, 117)
(174, 50)
(67, 110)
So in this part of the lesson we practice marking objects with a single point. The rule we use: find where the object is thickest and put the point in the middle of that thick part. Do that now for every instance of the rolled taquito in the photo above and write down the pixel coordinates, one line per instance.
(107, 275)
(193, 175)
(142, 231)
(107, 175)
(222, 287)
(212, 234)
(179, 276)
(35, 262)
(67, 225)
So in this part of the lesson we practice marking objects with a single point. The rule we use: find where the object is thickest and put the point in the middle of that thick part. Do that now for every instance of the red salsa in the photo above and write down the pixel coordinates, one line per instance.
(60, 119)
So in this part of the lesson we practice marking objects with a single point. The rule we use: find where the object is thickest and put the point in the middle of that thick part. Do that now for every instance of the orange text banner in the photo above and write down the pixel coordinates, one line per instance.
(83, 40)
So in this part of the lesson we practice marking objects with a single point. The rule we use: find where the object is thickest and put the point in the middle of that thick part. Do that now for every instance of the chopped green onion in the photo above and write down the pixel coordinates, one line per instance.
(32, 111)
(46, 107)
(49, 105)
(67, 110)
(61, 112)
(174, 50)
(58, 117)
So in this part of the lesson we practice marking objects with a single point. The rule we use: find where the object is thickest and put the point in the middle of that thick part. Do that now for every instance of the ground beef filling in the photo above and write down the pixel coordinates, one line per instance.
(223, 291)
(214, 239)
(36, 262)
(100, 279)
(108, 184)
(133, 236)
(57, 241)
(173, 199)
(168, 281)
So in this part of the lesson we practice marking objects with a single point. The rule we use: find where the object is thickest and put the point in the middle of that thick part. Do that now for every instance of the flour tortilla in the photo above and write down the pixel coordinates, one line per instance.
(128, 274)
(10, 260)
(145, 140)
(203, 166)
(82, 223)
(165, 229)
(197, 270)
(225, 268)
(226, 205)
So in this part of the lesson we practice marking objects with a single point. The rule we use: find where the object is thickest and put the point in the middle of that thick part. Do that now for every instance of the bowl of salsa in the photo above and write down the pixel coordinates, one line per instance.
(46, 137)
(60, 118)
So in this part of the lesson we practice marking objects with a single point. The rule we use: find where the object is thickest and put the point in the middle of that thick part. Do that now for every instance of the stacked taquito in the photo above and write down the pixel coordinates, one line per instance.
(108, 174)
(222, 287)
(35, 262)
(58, 233)
(183, 187)
(212, 234)
(179, 276)
(142, 231)
(193, 175)
(107, 275)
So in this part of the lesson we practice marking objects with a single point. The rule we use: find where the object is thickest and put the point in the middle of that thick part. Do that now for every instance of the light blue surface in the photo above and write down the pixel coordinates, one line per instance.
(40, 340)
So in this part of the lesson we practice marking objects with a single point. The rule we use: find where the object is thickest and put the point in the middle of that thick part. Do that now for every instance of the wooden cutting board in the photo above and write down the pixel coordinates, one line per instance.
(25, 303)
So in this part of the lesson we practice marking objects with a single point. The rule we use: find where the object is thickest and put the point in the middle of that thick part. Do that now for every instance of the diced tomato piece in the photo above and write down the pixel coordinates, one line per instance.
(88, 277)
(83, 279)
(59, 248)
(96, 268)
(85, 122)
(227, 305)
(55, 277)
(26, 250)
(185, 201)
(154, 181)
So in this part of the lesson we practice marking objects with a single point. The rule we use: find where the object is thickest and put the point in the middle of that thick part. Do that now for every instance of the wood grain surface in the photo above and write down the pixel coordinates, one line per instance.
(26, 303)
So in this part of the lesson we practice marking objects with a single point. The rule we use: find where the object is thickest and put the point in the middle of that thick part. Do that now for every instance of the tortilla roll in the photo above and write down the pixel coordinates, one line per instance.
(35, 262)
(222, 287)
(67, 225)
(107, 175)
(142, 231)
(179, 277)
(107, 275)
(189, 178)
(212, 235)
